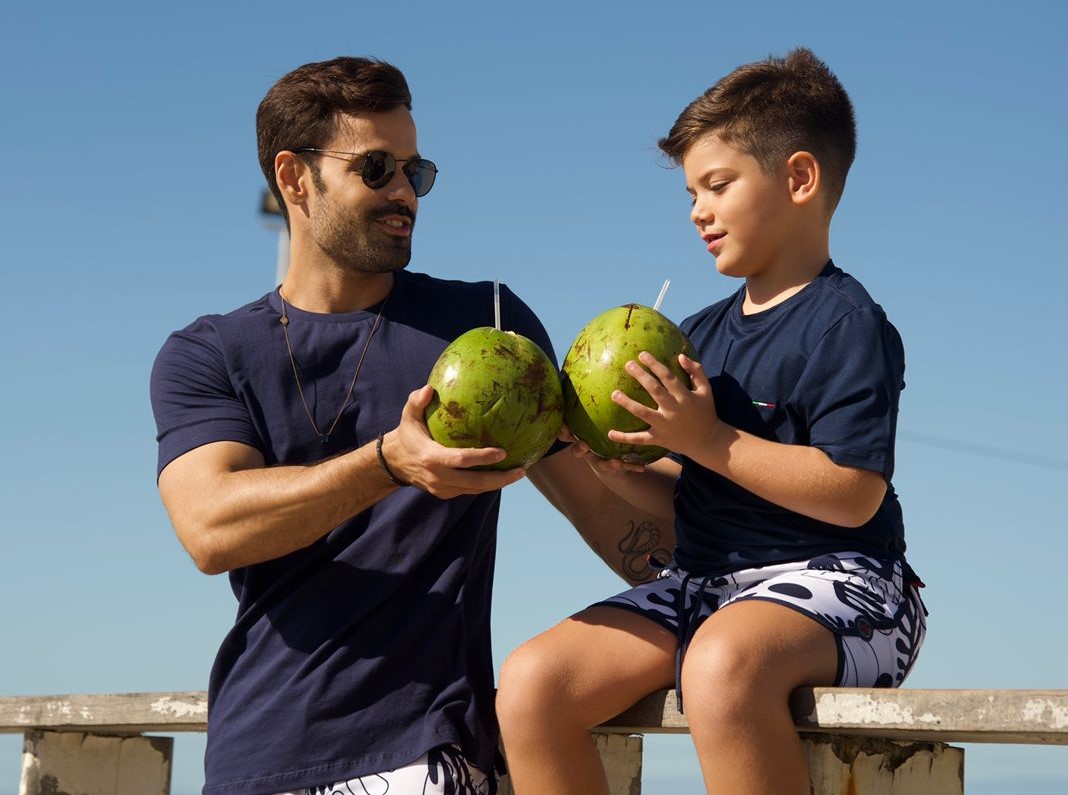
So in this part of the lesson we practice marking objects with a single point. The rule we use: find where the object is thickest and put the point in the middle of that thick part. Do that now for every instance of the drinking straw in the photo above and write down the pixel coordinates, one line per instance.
(660, 297)
(497, 304)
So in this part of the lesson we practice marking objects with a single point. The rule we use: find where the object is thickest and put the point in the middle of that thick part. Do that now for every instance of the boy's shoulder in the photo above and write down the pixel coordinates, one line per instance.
(712, 311)
(832, 296)
(837, 285)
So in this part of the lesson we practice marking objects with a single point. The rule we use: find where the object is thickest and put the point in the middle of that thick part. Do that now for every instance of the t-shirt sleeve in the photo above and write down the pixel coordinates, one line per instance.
(518, 317)
(193, 398)
(850, 391)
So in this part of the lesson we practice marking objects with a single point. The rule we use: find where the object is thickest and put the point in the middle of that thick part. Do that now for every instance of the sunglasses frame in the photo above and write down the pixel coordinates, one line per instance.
(420, 165)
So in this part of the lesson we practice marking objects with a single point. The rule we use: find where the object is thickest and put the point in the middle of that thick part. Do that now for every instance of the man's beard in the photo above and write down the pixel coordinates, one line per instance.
(357, 243)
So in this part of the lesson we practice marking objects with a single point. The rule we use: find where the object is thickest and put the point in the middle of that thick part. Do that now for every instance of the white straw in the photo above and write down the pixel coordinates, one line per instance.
(497, 304)
(660, 297)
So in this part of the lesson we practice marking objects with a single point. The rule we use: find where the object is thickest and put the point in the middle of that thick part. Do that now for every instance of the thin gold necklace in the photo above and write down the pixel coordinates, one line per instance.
(284, 320)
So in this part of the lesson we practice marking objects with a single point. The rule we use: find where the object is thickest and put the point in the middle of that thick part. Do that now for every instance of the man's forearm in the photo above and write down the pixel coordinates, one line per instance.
(622, 535)
(238, 516)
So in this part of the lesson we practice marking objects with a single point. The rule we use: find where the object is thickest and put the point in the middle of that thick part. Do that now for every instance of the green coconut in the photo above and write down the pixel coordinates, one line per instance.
(594, 368)
(496, 389)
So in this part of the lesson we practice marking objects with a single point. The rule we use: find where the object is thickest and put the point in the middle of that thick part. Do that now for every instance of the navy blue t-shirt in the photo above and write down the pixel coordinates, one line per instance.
(825, 369)
(364, 650)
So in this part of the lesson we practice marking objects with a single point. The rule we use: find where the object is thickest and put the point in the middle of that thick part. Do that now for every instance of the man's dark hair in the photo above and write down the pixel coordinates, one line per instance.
(302, 109)
(772, 108)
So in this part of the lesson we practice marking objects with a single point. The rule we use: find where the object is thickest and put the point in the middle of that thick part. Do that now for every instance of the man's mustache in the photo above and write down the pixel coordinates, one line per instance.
(393, 209)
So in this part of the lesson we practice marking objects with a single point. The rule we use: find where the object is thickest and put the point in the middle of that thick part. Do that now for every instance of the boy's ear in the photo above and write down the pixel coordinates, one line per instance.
(803, 174)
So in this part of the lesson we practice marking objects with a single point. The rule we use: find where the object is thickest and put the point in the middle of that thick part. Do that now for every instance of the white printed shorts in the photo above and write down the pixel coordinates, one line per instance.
(877, 617)
(441, 771)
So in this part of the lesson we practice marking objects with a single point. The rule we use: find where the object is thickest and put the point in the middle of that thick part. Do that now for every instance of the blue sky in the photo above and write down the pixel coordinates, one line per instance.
(128, 206)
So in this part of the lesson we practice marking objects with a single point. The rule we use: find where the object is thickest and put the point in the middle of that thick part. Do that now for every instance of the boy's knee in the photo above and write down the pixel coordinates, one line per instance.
(526, 681)
(724, 683)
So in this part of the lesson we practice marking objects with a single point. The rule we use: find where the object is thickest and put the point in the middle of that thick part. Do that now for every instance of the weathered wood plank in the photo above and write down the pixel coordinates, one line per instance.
(120, 713)
(980, 716)
(993, 716)
(971, 716)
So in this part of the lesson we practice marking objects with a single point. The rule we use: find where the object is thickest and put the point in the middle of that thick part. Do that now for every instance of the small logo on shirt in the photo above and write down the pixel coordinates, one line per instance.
(864, 629)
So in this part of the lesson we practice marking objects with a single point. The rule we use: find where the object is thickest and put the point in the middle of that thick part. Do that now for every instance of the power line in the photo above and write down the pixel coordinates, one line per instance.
(1000, 453)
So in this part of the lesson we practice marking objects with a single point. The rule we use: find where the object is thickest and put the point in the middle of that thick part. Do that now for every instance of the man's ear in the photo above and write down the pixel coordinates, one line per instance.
(803, 173)
(293, 178)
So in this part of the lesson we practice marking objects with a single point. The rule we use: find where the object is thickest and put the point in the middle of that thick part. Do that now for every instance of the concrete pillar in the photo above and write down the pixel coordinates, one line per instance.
(76, 763)
(844, 765)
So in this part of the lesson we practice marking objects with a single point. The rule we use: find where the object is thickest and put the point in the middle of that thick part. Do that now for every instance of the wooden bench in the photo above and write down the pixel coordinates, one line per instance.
(858, 740)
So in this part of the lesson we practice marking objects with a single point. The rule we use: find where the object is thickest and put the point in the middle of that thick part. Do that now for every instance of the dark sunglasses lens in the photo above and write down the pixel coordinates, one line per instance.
(378, 169)
(421, 173)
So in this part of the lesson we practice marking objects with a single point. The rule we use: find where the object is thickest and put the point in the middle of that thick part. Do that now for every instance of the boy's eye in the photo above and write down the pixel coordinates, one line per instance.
(717, 187)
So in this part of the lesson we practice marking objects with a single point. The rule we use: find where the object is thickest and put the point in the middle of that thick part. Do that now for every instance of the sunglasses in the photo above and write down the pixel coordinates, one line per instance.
(379, 167)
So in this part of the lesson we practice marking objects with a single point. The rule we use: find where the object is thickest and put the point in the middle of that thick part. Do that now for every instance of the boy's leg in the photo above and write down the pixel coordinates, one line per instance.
(576, 675)
(737, 676)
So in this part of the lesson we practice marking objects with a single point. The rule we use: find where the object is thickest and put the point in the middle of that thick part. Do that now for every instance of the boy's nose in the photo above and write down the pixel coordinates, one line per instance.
(701, 213)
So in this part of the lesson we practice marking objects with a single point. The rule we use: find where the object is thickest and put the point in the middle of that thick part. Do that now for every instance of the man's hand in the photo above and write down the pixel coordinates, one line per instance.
(445, 472)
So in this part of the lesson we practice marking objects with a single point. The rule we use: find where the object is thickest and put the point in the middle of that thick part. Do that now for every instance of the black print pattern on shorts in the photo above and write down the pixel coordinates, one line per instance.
(880, 622)
(441, 771)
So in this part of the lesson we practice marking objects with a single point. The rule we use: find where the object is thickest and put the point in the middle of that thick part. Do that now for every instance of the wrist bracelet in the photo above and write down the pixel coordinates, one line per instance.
(382, 460)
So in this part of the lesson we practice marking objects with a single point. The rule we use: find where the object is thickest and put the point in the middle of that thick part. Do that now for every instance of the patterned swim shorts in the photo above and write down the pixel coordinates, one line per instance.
(878, 620)
(441, 771)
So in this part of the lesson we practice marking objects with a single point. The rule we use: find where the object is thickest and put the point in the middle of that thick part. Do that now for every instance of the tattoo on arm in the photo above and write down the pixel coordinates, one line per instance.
(640, 543)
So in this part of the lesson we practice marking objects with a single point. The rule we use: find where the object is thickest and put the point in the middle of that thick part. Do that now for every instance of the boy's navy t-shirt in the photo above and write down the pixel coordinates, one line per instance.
(825, 368)
(364, 650)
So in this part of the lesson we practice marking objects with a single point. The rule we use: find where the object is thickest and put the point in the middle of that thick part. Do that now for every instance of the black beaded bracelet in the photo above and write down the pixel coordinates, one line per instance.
(382, 460)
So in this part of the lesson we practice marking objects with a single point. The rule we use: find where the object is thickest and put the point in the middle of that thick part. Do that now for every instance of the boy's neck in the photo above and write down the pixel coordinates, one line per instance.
(783, 279)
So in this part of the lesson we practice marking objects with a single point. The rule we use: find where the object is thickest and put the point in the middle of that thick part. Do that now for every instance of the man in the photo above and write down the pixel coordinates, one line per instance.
(293, 455)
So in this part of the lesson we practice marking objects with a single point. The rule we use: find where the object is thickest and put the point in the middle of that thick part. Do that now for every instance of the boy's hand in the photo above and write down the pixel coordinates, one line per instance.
(683, 418)
(603, 467)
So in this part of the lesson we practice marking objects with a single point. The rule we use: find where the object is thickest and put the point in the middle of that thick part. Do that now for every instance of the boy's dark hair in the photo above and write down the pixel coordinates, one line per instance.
(772, 108)
(302, 108)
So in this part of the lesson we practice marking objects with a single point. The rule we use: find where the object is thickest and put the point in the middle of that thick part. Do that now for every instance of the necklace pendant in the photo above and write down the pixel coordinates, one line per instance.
(324, 438)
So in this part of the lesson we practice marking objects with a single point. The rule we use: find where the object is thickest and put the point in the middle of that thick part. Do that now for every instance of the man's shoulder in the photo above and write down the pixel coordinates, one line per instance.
(213, 329)
(457, 303)
(260, 306)
(423, 287)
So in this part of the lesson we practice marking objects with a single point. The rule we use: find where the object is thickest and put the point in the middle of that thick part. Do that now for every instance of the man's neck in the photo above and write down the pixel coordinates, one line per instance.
(334, 291)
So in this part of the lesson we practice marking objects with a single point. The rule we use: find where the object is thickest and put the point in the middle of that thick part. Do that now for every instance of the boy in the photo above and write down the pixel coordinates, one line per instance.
(789, 568)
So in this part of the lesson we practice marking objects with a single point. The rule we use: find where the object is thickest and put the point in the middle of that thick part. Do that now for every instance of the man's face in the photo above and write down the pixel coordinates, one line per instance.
(363, 229)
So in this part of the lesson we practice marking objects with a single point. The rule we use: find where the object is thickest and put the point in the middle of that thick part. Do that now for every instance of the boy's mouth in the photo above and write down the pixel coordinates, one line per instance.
(712, 240)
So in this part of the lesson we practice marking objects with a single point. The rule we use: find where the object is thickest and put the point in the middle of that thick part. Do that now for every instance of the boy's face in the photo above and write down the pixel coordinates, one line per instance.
(741, 213)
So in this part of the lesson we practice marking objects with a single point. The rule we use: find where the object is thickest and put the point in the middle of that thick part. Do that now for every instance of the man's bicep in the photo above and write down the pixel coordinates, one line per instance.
(192, 478)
